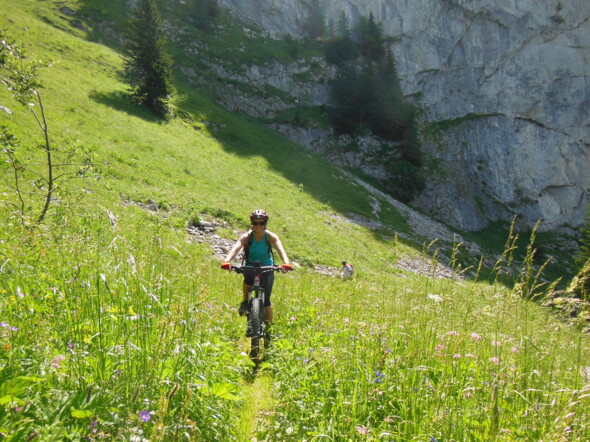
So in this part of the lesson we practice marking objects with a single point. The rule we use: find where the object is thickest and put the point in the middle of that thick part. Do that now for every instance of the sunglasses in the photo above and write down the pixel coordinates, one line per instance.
(261, 223)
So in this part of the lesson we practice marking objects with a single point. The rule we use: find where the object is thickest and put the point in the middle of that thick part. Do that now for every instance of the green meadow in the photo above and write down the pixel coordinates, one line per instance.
(117, 324)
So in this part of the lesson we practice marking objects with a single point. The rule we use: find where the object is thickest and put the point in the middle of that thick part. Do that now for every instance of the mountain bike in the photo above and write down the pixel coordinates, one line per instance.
(255, 313)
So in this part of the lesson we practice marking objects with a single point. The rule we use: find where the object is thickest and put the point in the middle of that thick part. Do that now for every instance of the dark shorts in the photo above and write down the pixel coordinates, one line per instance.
(267, 282)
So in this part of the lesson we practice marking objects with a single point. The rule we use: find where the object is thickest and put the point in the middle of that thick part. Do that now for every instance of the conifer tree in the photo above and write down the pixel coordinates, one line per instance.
(147, 64)
(340, 49)
(370, 39)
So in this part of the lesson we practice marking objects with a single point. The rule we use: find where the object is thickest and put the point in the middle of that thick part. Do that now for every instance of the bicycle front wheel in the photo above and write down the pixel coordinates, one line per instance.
(255, 324)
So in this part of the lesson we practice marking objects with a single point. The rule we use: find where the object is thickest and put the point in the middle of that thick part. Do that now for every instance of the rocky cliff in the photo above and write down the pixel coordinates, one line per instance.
(505, 91)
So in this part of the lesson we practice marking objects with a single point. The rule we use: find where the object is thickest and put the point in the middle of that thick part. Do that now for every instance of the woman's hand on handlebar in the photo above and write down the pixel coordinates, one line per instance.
(286, 267)
(225, 265)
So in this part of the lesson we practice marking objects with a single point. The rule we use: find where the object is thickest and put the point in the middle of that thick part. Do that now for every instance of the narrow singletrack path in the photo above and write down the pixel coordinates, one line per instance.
(258, 405)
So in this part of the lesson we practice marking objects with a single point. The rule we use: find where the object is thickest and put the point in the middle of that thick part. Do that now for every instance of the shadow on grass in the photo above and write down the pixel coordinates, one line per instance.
(123, 102)
(239, 134)
(246, 136)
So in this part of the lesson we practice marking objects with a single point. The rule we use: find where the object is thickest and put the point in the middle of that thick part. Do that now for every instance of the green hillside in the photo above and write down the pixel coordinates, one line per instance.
(117, 323)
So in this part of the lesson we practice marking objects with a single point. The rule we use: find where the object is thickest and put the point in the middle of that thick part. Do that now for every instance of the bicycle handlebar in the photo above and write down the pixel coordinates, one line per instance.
(256, 268)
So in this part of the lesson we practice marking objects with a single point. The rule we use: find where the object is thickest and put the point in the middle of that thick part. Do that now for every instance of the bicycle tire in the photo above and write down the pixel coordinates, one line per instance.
(255, 324)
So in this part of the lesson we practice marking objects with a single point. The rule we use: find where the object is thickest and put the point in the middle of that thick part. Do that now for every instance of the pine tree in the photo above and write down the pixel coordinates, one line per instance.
(370, 39)
(340, 49)
(147, 64)
(346, 90)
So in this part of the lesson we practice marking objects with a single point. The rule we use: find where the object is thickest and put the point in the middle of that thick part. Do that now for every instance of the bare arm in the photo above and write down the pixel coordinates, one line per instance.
(276, 242)
(237, 247)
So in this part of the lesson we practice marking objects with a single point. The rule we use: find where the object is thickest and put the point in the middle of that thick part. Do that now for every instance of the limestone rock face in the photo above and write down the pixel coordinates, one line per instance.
(505, 90)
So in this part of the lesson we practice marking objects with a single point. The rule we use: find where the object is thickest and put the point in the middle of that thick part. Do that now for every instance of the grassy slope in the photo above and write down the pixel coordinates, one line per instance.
(227, 163)
(217, 162)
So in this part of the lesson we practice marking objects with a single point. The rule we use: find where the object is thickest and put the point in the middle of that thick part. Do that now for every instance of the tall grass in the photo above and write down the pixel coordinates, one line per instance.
(127, 330)
(112, 335)
(115, 324)
(454, 362)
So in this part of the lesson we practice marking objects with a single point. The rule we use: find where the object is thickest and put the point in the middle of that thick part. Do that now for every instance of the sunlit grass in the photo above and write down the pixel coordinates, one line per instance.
(428, 359)
(115, 324)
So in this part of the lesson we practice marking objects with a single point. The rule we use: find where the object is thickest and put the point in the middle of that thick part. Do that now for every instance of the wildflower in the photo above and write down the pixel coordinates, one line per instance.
(440, 347)
(475, 336)
(346, 322)
(362, 430)
(452, 333)
(56, 362)
(468, 392)
(496, 343)
(388, 419)
(435, 298)
(379, 376)
(469, 355)
(145, 416)
(515, 350)
(93, 424)
(4, 324)
(495, 360)
(457, 356)
(19, 293)
(292, 319)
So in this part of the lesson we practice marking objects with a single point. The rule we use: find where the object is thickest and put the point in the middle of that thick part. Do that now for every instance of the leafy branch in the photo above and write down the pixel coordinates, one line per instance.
(20, 79)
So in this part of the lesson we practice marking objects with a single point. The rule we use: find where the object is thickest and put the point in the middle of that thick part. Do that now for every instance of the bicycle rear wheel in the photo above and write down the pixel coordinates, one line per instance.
(255, 325)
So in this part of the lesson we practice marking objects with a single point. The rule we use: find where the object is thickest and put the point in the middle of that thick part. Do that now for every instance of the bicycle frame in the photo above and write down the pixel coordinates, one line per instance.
(256, 307)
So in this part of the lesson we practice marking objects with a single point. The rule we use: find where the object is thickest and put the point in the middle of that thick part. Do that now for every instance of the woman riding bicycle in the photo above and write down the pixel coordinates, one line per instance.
(257, 244)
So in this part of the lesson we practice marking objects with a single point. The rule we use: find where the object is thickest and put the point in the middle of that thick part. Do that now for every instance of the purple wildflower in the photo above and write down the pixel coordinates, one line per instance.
(145, 416)
(379, 376)
(4, 324)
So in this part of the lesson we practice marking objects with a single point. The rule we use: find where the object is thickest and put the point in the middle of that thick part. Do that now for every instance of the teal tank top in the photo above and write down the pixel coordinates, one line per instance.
(259, 252)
